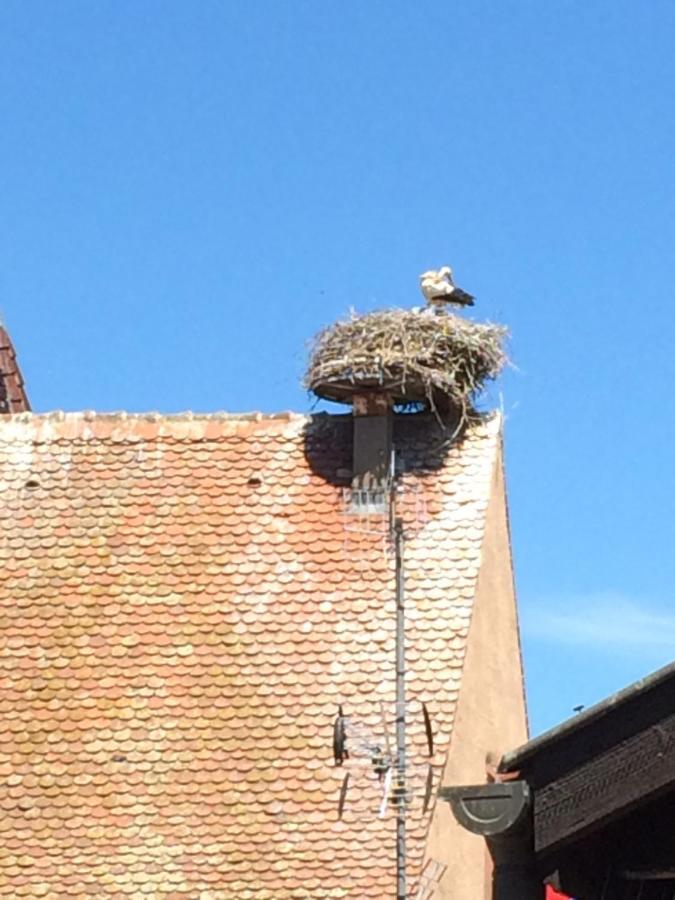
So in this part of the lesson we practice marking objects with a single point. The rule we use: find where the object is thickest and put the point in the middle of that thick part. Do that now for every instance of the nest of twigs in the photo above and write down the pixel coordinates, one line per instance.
(425, 358)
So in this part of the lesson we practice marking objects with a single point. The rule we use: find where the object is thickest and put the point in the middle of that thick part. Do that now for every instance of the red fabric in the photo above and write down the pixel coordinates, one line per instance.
(554, 895)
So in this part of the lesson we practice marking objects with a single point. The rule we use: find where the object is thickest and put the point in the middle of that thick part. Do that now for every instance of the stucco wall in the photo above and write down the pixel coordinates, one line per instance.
(491, 716)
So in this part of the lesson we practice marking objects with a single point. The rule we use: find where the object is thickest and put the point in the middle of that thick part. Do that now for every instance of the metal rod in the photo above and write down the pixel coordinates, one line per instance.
(401, 890)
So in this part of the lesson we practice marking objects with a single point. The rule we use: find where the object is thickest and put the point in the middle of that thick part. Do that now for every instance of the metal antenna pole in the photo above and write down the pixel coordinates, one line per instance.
(401, 891)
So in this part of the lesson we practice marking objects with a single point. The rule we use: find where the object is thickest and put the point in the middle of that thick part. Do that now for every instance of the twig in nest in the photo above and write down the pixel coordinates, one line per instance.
(416, 357)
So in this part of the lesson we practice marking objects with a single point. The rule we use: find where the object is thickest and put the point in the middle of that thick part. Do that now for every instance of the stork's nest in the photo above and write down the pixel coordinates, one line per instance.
(420, 358)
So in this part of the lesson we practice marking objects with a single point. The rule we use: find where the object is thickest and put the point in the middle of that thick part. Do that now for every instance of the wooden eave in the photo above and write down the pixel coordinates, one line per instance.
(662, 680)
(603, 791)
(602, 764)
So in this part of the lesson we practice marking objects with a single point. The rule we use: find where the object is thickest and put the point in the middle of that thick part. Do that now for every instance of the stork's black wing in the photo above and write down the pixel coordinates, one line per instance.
(461, 297)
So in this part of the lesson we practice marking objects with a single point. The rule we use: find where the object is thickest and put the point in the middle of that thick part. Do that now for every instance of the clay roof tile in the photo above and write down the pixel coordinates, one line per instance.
(176, 640)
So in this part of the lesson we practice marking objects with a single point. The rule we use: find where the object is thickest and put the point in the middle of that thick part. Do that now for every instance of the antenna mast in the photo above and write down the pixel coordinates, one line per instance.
(401, 890)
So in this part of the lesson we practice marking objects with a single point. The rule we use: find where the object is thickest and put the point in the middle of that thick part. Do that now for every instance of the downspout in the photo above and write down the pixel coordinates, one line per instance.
(502, 814)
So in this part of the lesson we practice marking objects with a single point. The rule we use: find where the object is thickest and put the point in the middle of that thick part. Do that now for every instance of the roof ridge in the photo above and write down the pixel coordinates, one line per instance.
(89, 415)
(603, 707)
(189, 426)
(122, 426)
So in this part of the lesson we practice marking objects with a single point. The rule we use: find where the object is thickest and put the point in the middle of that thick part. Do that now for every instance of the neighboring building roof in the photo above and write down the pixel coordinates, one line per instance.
(603, 715)
(13, 397)
(185, 601)
(602, 788)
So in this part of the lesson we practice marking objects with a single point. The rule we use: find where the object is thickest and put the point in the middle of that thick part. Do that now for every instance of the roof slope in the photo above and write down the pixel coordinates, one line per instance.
(184, 603)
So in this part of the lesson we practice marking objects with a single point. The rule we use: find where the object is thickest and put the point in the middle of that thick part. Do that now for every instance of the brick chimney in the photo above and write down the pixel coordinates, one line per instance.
(13, 398)
(373, 426)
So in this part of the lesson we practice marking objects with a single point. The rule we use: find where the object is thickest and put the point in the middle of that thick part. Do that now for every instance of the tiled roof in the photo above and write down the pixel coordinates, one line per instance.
(13, 398)
(184, 602)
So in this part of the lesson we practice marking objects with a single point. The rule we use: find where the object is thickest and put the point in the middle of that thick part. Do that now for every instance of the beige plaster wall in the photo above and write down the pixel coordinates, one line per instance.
(491, 715)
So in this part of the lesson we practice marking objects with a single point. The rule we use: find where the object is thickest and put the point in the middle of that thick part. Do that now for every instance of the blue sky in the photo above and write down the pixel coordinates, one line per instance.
(191, 190)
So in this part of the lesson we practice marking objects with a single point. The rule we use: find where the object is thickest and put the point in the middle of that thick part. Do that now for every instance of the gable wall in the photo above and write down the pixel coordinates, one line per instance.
(491, 715)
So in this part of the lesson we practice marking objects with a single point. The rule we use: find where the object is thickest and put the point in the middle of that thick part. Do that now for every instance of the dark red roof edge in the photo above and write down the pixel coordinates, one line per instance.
(13, 397)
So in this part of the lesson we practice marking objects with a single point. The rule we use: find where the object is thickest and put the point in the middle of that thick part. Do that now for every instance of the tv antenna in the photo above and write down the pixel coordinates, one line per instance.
(351, 740)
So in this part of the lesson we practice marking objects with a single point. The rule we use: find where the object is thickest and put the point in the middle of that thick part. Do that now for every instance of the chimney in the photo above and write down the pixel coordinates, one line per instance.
(373, 426)
(13, 398)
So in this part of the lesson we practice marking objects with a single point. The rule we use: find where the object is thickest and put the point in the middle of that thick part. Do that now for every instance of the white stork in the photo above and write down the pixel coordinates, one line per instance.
(439, 288)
